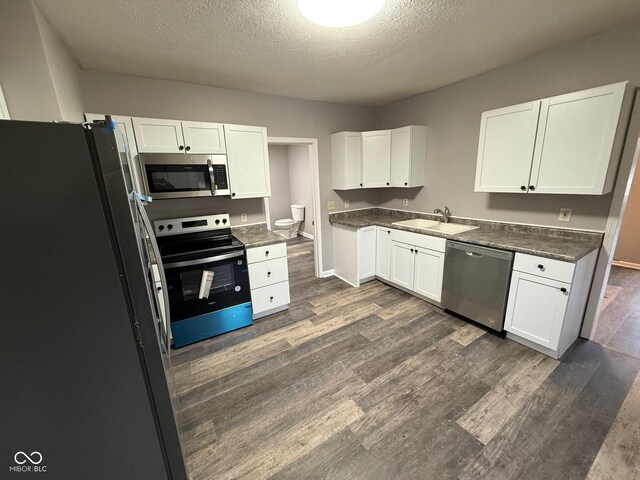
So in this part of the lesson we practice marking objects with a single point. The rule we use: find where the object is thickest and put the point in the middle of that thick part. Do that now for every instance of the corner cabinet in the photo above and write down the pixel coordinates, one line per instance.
(379, 159)
(408, 156)
(383, 253)
(376, 158)
(547, 301)
(565, 144)
(346, 160)
(248, 160)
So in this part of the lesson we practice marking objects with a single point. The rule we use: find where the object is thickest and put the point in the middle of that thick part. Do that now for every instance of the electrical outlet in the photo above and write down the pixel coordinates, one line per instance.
(405, 202)
(331, 205)
(346, 204)
(243, 217)
(565, 215)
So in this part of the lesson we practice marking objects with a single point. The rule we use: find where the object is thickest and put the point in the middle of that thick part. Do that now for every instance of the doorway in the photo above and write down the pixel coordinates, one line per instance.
(618, 326)
(294, 172)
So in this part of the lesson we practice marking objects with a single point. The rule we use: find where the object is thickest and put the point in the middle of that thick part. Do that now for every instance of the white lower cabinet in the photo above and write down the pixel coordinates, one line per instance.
(417, 263)
(427, 277)
(269, 279)
(366, 253)
(547, 301)
(383, 253)
(402, 264)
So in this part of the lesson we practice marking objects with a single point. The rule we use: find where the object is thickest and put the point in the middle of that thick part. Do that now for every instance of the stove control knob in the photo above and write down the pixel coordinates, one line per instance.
(224, 220)
(169, 227)
(161, 227)
(218, 222)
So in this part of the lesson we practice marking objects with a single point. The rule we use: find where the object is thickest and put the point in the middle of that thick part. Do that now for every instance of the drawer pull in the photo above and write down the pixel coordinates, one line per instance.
(271, 299)
(541, 267)
(266, 254)
(563, 290)
(268, 274)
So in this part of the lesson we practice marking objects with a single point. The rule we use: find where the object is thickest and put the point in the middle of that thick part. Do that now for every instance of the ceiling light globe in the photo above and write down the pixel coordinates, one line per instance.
(339, 13)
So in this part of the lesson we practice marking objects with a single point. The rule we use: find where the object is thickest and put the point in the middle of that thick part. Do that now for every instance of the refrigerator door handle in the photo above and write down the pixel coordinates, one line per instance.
(163, 279)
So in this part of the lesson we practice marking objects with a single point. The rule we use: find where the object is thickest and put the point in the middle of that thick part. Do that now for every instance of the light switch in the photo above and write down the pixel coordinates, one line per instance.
(405, 202)
(243, 217)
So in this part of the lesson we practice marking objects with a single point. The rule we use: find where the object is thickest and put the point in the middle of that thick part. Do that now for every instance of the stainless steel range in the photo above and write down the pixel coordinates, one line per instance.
(207, 277)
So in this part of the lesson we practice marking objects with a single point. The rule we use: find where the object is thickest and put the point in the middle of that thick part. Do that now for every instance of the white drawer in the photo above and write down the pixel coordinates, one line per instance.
(269, 297)
(268, 252)
(419, 240)
(544, 267)
(268, 272)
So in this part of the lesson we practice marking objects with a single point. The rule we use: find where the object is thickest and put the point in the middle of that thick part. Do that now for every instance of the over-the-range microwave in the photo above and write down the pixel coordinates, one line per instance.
(176, 175)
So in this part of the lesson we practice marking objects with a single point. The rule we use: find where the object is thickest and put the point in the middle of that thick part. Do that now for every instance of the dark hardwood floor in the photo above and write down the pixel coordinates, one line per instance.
(372, 383)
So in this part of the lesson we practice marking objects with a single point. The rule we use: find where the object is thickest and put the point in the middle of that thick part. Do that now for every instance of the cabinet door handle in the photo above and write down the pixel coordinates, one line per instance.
(541, 267)
(563, 290)
(388, 231)
(180, 147)
(532, 187)
(523, 188)
(360, 184)
(387, 183)
(233, 194)
(405, 184)
(412, 250)
(266, 254)
(271, 299)
(268, 274)
(188, 148)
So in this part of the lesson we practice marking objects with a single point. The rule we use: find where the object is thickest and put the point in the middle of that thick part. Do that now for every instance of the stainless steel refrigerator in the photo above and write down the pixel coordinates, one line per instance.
(84, 367)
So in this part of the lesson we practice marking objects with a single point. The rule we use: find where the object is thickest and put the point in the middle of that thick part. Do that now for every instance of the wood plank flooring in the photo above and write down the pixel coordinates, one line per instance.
(372, 383)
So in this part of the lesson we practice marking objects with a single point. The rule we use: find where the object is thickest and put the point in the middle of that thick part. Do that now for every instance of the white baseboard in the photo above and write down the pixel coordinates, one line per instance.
(306, 235)
(620, 263)
(327, 273)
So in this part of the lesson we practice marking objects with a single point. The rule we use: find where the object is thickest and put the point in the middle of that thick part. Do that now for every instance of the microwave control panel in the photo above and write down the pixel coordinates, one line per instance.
(220, 177)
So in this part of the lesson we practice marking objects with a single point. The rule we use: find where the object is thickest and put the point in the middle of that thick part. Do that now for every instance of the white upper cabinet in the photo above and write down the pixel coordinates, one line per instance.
(575, 140)
(346, 159)
(505, 149)
(408, 156)
(154, 135)
(376, 158)
(563, 144)
(248, 161)
(204, 138)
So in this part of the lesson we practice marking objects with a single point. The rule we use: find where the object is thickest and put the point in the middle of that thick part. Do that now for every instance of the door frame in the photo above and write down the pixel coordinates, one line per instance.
(315, 186)
(626, 170)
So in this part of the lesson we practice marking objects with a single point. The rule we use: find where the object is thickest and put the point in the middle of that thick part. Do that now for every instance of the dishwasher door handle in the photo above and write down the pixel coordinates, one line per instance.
(473, 254)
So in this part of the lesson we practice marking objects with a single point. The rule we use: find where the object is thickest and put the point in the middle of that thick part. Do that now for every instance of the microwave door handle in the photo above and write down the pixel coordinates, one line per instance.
(211, 178)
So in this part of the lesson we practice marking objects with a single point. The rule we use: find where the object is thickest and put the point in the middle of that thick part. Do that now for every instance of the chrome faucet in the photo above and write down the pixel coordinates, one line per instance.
(446, 215)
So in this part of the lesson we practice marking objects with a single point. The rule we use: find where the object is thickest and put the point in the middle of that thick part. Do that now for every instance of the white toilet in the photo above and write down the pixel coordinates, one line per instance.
(288, 227)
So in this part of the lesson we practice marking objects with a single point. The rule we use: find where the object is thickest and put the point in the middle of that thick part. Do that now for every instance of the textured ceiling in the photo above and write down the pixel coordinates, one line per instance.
(266, 46)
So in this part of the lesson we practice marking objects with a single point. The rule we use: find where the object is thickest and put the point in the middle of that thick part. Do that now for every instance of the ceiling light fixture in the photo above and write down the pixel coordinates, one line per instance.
(339, 13)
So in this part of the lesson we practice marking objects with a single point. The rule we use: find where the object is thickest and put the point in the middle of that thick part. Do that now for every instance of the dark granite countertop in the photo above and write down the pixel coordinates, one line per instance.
(256, 235)
(559, 244)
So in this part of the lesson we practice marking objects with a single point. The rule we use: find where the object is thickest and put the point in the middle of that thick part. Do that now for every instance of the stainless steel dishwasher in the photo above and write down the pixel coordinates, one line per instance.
(476, 282)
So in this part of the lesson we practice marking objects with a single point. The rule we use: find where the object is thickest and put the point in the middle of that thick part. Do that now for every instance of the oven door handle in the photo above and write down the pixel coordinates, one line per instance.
(200, 261)
(211, 178)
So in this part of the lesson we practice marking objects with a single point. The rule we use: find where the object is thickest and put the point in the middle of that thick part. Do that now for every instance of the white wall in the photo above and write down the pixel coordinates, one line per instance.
(64, 71)
(280, 200)
(24, 71)
(283, 117)
(300, 186)
(452, 115)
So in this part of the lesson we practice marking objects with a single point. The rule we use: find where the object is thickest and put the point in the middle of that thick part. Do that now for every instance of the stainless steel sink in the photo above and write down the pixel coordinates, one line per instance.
(435, 226)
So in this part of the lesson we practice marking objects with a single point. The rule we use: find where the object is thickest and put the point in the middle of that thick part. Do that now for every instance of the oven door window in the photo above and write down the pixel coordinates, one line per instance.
(177, 178)
(191, 280)
(229, 287)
